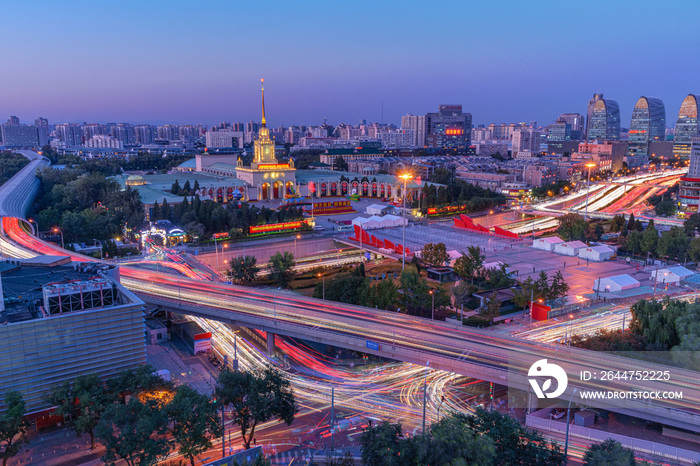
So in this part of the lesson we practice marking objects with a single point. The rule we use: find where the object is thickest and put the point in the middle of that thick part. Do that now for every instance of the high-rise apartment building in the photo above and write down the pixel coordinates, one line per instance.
(70, 134)
(12, 121)
(559, 131)
(603, 119)
(526, 140)
(19, 136)
(416, 123)
(648, 124)
(687, 126)
(576, 121)
(224, 139)
(449, 129)
(145, 134)
(42, 129)
(123, 132)
(104, 141)
(169, 132)
(689, 193)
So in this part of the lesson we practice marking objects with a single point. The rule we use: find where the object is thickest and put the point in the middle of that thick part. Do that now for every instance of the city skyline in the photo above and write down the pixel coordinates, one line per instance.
(203, 65)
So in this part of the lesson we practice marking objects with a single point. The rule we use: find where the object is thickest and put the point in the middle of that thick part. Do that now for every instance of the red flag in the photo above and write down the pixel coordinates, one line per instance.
(418, 180)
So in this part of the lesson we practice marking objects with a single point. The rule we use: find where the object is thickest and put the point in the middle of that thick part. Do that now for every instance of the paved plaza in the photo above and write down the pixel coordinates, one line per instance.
(519, 255)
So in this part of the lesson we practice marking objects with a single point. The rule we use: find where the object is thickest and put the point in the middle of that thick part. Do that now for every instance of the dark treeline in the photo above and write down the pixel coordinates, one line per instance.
(204, 218)
(10, 164)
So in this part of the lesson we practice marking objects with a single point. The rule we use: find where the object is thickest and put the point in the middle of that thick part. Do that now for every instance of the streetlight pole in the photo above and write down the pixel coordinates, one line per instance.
(442, 400)
(393, 341)
(425, 392)
(323, 277)
(588, 187)
(216, 253)
(432, 310)
(274, 303)
(58, 230)
(568, 413)
(405, 177)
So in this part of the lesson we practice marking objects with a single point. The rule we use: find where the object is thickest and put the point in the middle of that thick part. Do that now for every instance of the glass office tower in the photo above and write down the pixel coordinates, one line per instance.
(648, 124)
(688, 125)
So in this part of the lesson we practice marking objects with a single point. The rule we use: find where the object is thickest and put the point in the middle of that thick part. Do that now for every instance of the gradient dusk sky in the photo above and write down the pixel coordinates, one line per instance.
(201, 61)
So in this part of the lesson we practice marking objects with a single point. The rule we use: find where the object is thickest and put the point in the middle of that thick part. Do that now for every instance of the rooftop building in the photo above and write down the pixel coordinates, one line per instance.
(62, 320)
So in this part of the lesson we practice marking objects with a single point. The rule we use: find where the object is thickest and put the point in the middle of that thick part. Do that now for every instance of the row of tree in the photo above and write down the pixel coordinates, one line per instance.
(204, 218)
(457, 192)
(85, 206)
(10, 164)
(678, 243)
(186, 190)
(140, 418)
(656, 326)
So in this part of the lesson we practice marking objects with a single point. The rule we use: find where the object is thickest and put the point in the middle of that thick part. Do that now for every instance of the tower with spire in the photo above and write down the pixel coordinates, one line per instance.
(273, 179)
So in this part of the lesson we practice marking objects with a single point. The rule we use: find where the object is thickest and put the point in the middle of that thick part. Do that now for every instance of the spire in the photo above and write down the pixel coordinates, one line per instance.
(262, 88)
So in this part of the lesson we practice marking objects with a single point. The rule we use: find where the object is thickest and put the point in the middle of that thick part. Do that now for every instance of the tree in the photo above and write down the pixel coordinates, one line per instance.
(175, 188)
(13, 427)
(244, 268)
(617, 222)
(461, 293)
(572, 227)
(134, 432)
(609, 452)
(470, 263)
(665, 208)
(631, 223)
(673, 244)
(84, 401)
(634, 241)
(692, 224)
(499, 277)
(256, 398)
(345, 288)
(514, 444)
(384, 295)
(694, 250)
(380, 445)
(434, 255)
(558, 288)
(195, 421)
(340, 164)
(196, 186)
(281, 267)
(649, 238)
(492, 307)
(187, 188)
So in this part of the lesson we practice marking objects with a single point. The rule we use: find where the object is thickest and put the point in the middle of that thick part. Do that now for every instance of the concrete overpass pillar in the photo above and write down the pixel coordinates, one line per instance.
(270, 343)
(532, 402)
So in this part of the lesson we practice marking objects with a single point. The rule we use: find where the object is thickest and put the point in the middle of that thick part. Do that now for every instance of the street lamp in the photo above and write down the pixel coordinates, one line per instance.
(425, 392)
(442, 400)
(568, 413)
(588, 187)
(35, 226)
(323, 277)
(405, 177)
(216, 253)
(432, 311)
(393, 341)
(58, 230)
(274, 303)
(296, 237)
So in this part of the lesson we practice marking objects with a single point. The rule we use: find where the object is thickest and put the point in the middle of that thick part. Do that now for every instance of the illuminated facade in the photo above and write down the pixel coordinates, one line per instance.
(687, 126)
(271, 179)
(648, 124)
(603, 120)
(449, 129)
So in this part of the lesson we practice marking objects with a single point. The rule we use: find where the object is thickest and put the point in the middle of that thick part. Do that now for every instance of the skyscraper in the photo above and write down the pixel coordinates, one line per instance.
(449, 129)
(689, 193)
(687, 126)
(648, 124)
(417, 124)
(576, 122)
(603, 119)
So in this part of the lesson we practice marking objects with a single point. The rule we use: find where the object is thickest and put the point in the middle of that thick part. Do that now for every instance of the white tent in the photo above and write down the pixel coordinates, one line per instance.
(396, 221)
(616, 283)
(546, 244)
(672, 275)
(596, 253)
(376, 209)
(569, 249)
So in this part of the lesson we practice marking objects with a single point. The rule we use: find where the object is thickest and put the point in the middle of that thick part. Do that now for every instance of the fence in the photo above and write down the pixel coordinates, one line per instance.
(645, 446)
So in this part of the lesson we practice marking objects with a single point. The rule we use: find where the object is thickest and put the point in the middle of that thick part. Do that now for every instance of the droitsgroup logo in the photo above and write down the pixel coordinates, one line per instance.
(543, 369)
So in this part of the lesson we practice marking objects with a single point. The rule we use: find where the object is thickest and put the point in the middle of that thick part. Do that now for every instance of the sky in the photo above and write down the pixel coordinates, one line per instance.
(201, 62)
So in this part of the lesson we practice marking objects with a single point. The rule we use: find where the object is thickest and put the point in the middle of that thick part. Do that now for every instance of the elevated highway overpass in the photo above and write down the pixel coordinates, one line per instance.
(475, 353)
